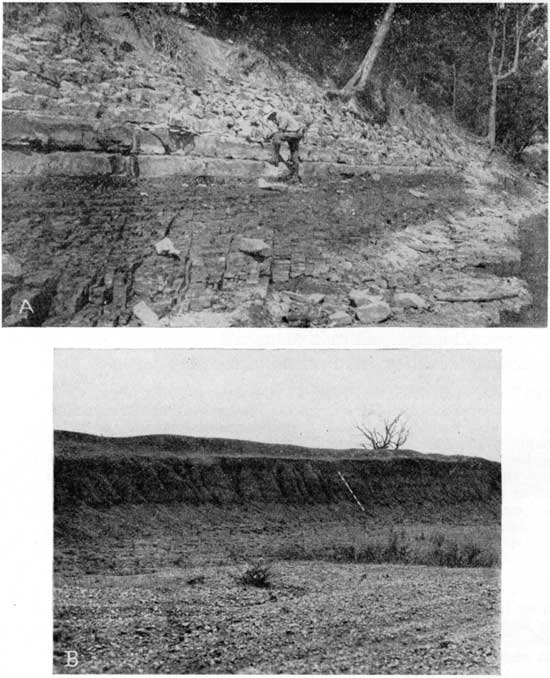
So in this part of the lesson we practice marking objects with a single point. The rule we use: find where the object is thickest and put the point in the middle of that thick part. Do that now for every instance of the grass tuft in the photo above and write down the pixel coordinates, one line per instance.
(257, 575)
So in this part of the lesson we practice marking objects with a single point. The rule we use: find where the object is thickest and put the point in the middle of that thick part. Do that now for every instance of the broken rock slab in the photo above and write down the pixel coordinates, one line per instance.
(316, 298)
(313, 298)
(340, 319)
(12, 271)
(409, 300)
(278, 306)
(165, 247)
(255, 247)
(363, 297)
(275, 173)
(272, 185)
(146, 315)
(465, 289)
(373, 313)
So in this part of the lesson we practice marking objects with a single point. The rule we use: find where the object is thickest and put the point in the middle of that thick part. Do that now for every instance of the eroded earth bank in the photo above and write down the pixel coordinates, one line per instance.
(154, 534)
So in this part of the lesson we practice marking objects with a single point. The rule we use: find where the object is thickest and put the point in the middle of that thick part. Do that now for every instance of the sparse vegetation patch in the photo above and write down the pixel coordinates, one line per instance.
(398, 547)
(257, 575)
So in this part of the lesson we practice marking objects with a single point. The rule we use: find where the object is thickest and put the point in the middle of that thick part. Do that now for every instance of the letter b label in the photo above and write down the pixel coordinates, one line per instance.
(72, 658)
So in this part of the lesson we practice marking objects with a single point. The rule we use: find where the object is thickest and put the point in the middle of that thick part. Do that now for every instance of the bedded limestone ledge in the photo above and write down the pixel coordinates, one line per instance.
(87, 163)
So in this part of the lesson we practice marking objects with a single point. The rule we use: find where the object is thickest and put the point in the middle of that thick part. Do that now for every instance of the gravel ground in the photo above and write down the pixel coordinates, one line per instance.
(316, 617)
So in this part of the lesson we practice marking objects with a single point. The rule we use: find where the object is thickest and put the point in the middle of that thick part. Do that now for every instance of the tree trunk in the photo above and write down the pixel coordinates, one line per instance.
(492, 127)
(497, 71)
(361, 76)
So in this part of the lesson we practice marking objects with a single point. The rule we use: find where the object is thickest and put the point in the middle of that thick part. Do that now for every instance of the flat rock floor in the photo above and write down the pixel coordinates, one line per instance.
(316, 618)
(82, 253)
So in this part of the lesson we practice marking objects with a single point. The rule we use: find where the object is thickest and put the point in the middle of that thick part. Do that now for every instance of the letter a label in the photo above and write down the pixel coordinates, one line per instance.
(25, 306)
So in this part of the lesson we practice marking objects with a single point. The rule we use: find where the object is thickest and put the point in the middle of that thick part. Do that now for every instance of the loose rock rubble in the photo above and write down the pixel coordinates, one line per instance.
(81, 106)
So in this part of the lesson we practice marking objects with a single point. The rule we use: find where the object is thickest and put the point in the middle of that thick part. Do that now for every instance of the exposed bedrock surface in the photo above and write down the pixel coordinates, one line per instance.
(109, 146)
(333, 250)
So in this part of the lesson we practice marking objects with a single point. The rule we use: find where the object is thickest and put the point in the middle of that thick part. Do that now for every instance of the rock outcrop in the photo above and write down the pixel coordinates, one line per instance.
(137, 192)
(89, 253)
(74, 105)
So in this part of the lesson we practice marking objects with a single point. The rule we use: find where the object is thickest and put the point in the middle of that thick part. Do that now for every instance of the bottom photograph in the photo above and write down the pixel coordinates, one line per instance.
(277, 511)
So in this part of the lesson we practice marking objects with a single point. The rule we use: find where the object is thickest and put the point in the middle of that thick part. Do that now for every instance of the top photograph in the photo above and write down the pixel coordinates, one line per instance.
(274, 165)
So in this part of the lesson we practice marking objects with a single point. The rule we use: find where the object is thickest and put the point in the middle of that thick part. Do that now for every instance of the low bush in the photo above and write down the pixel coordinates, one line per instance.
(256, 575)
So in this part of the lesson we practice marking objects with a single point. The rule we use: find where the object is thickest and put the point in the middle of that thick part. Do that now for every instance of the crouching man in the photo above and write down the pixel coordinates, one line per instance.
(290, 131)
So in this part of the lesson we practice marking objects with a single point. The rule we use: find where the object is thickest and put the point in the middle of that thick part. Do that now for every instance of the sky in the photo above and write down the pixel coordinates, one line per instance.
(451, 398)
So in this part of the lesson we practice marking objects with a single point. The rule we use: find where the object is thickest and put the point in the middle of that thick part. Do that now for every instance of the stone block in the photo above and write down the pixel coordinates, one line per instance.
(374, 313)
(364, 297)
(12, 271)
(409, 300)
(53, 164)
(47, 132)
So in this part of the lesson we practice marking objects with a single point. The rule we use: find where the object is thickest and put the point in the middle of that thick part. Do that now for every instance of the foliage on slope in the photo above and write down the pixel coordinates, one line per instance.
(437, 51)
